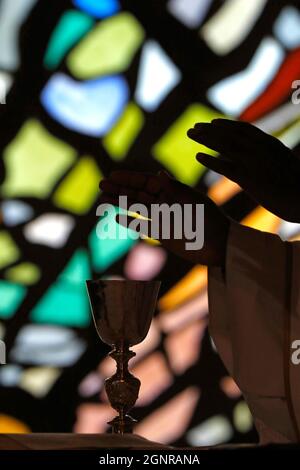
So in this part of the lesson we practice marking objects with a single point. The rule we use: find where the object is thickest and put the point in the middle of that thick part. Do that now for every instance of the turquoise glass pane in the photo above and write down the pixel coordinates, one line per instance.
(117, 241)
(11, 296)
(77, 270)
(63, 305)
(72, 26)
(66, 302)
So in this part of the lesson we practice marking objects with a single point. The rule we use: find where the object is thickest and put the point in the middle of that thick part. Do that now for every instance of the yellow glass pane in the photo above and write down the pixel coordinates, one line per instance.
(24, 273)
(34, 161)
(9, 252)
(109, 48)
(242, 417)
(80, 188)
(123, 134)
(177, 152)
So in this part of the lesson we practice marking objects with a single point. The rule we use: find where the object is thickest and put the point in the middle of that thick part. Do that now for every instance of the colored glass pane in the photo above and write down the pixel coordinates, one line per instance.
(90, 108)
(110, 241)
(9, 252)
(24, 273)
(72, 26)
(98, 8)
(158, 75)
(108, 49)
(177, 152)
(11, 296)
(34, 161)
(123, 134)
(80, 188)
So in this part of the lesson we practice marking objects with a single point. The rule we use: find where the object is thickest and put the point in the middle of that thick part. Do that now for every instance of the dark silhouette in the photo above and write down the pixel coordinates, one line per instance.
(265, 168)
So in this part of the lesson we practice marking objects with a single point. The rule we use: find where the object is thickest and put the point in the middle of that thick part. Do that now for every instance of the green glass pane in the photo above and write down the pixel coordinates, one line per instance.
(34, 161)
(122, 136)
(24, 273)
(110, 241)
(63, 305)
(77, 270)
(9, 252)
(72, 26)
(66, 302)
(11, 296)
(177, 152)
(80, 188)
(108, 49)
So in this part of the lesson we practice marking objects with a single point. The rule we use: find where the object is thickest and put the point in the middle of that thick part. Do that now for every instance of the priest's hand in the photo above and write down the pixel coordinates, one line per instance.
(263, 166)
(148, 189)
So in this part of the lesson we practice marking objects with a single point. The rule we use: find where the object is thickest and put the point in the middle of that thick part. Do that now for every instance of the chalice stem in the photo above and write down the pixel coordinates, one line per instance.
(122, 389)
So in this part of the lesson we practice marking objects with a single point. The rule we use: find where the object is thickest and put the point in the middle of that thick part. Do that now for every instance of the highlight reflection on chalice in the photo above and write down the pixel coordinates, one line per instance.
(122, 312)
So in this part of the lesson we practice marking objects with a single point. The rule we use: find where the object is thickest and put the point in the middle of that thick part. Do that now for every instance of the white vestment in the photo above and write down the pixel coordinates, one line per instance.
(254, 306)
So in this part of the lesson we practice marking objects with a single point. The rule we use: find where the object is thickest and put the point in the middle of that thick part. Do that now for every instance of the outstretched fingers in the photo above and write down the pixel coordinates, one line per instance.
(137, 187)
(136, 180)
(218, 139)
(220, 165)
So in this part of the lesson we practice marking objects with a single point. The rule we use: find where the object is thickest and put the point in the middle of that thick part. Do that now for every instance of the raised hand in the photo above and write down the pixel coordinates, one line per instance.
(150, 189)
(264, 167)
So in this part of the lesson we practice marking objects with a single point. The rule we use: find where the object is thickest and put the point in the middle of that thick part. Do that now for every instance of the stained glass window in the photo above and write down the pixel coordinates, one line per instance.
(90, 86)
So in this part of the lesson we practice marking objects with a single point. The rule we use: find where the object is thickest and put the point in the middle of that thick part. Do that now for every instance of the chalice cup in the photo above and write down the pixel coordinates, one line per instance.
(122, 312)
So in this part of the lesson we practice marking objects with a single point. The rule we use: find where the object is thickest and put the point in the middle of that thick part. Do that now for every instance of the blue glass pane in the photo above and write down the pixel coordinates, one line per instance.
(98, 8)
(90, 107)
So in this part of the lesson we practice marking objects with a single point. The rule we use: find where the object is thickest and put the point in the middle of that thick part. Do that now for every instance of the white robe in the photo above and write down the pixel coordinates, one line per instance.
(254, 306)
